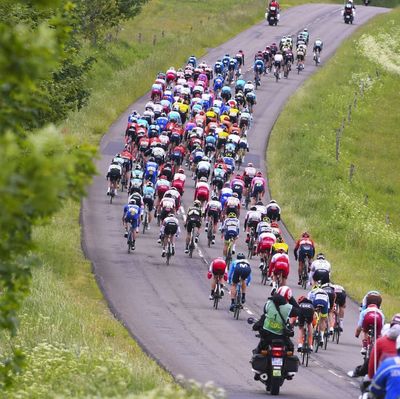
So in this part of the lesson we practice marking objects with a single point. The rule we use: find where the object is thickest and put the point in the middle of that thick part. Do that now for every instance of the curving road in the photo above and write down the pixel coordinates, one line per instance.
(166, 308)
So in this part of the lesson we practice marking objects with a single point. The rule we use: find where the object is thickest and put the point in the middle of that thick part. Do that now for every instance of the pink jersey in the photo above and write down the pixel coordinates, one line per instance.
(258, 181)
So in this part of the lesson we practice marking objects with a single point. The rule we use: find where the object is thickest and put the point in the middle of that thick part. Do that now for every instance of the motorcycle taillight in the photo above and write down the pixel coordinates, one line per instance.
(277, 351)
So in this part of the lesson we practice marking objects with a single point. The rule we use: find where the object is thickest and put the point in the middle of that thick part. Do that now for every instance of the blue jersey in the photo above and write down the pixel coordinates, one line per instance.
(230, 162)
(230, 147)
(259, 66)
(386, 382)
(132, 213)
(150, 171)
(218, 83)
(237, 264)
(162, 122)
(218, 67)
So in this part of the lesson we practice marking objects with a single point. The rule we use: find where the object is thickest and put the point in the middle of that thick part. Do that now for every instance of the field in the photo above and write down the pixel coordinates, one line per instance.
(351, 206)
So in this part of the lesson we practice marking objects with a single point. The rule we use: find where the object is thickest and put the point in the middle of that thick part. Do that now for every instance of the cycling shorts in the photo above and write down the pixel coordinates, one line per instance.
(203, 173)
(192, 223)
(221, 142)
(170, 229)
(257, 189)
(218, 182)
(253, 224)
(214, 215)
(300, 57)
(324, 306)
(133, 222)
(265, 245)
(241, 273)
(231, 210)
(277, 63)
(341, 299)
(281, 267)
(230, 234)
(305, 251)
(202, 194)
(178, 184)
(237, 188)
(149, 202)
(273, 214)
(321, 275)
(306, 315)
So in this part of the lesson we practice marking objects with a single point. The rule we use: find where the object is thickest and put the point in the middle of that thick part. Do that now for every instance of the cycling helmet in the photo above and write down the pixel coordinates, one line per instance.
(250, 165)
(305, 30)
(231, 215)
(272, 202)
(205, 159)
(235, 195)
(203, 179)
(163, 177)
(180, 170)
(266, 219)
(132, 201)
(171, 215)
(197, 203)
(274, 224)
(167, 195)
(173, 189)
(214, 198)
(285, 291)
(240, 255)
(152, 159)
(301, 299)
(259, 203)
(118, 155)
(395, 320)
(321, 256)
(259, 174)
(249, 82)
(137, 167)
(253, 208)
(305, 235)
(149, 184)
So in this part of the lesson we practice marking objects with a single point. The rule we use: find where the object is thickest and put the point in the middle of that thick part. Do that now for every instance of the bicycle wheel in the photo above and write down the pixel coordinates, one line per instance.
(316, 338)
(112, 193)
(326, 337)
(237, 305)
(145, 224)
(216, 295)
(129, 241)
(191, 244)
(210, 232)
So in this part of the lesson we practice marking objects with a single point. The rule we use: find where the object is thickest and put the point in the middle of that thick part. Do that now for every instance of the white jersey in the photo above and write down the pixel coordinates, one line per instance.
(267, 235)
(262, 227)
(320, 264)
(158, 108)
(115, 167)
(234, 137)
(262, 209)
(167, 204)
(232, 202)
(278, 58)
(250, 171)
(253, 216)
(179, 176)
(214, 205)
(226, 190)
(158, 152)
(174, 194)
(202, 184)
(203, 165)
(248, 87)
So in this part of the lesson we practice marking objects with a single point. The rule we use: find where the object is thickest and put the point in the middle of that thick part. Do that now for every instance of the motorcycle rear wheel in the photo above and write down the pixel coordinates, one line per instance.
(275, 386)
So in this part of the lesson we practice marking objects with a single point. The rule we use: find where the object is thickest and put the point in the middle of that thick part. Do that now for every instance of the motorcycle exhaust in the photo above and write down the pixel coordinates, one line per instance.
(264, 377)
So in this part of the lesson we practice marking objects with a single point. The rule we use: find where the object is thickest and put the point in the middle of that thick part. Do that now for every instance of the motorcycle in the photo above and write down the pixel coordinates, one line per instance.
(348, 15)
(272, 16)
(274, 364)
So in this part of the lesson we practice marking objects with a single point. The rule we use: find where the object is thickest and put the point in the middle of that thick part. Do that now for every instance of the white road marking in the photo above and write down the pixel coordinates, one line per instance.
(337, 375)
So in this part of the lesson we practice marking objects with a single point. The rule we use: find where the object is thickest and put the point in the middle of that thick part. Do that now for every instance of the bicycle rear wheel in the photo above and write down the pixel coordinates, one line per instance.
(217, 292)
(316, 338)
(210, 233)
(191, 244)
(145, 224)
(169, 253)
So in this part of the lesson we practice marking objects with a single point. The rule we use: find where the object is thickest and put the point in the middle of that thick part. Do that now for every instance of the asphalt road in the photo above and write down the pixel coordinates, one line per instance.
(166, 308)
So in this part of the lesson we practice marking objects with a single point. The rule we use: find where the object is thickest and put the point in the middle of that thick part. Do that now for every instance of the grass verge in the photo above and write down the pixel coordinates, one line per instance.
(353, 212)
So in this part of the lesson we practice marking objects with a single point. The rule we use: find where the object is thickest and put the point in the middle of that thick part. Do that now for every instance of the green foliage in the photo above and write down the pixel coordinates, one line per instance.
(355, 218)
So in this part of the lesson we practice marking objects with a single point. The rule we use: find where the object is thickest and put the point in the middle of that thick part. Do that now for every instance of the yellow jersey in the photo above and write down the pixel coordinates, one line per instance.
(280, 245)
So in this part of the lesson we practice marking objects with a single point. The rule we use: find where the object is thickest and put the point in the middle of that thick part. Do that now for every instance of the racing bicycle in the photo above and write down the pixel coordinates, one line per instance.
(238, 301)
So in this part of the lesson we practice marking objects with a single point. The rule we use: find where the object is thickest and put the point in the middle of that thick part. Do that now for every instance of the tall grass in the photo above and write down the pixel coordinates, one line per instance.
(355, 219)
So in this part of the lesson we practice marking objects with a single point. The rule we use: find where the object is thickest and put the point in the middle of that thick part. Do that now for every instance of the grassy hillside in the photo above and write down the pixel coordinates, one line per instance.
(353, 212)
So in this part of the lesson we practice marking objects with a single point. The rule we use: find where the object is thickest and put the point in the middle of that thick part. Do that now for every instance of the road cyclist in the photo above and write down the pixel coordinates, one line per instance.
(239, 273)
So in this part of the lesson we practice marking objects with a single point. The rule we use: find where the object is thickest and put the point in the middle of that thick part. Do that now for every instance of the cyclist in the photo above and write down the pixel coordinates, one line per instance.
(248, 174)
(273, 211)
(258, 69)
(320, 270)
(320, 298)
(279, 244)
(271, 325)
(301, 54)
(318, 44)
(239, 272)
(385, 346)
(237, 185)
(193, 223)
(264, 226)
(216, 272)
(169, 228)
(150, 171)
(341, 302)
(278, 62)
(370, 318)
(114, 174)
(258, 185)
(213, 211)
(161, 187)
(306, 316)
(131, 215)
(230, 229)
(148, 200)
(265, 242)
(178, 181)
(330, 290)
(202, 190)
(253, 217)
(386, 382)
(276, 230)
(279, 264)
(232, 205)
(218, 177)
(203, 168)
(240, 58)
(248, 87)
(305, 246)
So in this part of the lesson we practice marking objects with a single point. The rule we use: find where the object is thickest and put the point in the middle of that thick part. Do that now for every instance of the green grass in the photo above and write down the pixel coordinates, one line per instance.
(347, 219)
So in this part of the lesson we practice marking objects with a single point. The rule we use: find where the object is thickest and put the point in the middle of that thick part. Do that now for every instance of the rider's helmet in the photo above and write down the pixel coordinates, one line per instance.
(197, 204)
(249, 82)
(231, 215)
(149, 184)
(272, 202)
(152, 159)
(240, 256)
(181, 170)
(301, 299)
(171, 215)
(374, 298)
(250, 165)
(274, 224)
(253, 208)
(203, 179)
(167, 195)
(305, 30)
(137, 167)
(235, 195)
(132, 201)
(285, 291)
(214, 198)
(259, 203)
(259, 174)
(173, 189)
(163, 177)
(305, 235)
(266, 219)
(205, 159)
(321, 256)
(395, 320)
